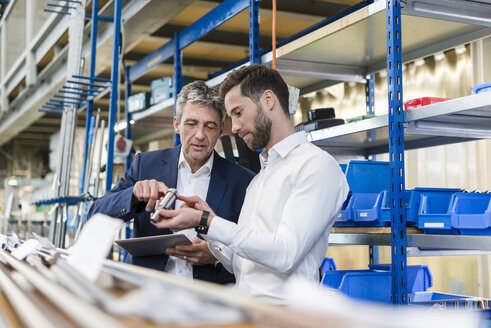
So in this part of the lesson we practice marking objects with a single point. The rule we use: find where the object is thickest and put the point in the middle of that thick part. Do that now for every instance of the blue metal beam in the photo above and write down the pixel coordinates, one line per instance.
(396, 153)
(217, 16)
(127, 131)
(254, 32)
(177, 80)
(90, 105)
(114, 94)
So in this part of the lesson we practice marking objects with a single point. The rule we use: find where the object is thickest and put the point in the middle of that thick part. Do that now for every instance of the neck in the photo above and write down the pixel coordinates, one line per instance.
(195, 165)
(280, 131)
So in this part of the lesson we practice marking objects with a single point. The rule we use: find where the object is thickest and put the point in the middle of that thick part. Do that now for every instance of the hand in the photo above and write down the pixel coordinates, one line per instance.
(194, 202)
(180, 219)
(149, 191)
(197, 254)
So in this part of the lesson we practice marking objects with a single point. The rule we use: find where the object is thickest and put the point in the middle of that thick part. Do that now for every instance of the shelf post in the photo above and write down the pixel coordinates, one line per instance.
(114, 94)
(254, 32)
(127, 114)
(370, 110)
(90, 105)
(177, 80)
(396, 153)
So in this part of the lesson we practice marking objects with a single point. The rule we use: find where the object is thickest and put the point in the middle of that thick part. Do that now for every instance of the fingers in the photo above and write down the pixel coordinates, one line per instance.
(149, 191)
(195, 202)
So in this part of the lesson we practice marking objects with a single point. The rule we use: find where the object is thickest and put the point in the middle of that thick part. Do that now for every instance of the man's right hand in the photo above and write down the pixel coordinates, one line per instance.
(149, 191)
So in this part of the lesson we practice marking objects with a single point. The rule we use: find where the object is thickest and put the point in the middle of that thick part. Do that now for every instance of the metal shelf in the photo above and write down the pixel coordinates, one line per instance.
(457, 120)
(164, 108)
(356, 43)
(421, 241)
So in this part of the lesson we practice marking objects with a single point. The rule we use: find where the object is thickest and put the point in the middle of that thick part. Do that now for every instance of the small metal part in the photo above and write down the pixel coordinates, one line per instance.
(169, 199)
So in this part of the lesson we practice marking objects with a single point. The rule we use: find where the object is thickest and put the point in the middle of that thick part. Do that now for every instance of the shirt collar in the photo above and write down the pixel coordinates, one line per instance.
(283, 148)
(206, 168)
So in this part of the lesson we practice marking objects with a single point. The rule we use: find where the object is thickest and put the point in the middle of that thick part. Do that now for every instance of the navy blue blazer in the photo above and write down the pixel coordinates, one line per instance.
(226, 192)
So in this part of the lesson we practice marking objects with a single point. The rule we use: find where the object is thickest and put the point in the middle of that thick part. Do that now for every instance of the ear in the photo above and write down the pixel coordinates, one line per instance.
(176, 126)
(268, 99)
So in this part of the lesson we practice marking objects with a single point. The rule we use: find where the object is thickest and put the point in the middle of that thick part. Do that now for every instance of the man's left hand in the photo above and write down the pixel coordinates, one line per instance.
(197, 254)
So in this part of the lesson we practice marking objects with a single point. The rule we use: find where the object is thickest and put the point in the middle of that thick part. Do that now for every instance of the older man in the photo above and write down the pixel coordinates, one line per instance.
(194, 169)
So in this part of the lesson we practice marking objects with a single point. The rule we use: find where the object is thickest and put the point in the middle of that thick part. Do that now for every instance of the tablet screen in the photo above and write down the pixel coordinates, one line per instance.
(153, 245)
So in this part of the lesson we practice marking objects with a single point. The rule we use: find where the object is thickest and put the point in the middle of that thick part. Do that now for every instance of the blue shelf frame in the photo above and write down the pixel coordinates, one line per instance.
(396, 153)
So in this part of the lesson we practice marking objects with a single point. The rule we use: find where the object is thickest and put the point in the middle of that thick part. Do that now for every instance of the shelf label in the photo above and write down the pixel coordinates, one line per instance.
(434, 225)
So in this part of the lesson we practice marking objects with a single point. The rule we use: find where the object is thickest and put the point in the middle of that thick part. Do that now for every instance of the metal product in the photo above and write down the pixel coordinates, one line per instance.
(82, 313)
(169, 199)
(396, 153)
(114, 94)
(29, 313)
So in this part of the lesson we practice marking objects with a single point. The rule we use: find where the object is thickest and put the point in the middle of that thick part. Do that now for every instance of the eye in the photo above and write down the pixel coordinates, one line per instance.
(190, 123)
(211, 126)
(238, 113)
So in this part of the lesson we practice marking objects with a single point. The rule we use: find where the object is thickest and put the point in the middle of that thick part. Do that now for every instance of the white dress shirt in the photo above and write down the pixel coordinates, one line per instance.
(189, 184)
(285, 221)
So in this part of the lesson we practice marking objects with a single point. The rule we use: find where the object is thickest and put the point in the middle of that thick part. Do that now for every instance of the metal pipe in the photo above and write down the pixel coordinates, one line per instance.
(28, 313)
(99, 158)
(81, 312)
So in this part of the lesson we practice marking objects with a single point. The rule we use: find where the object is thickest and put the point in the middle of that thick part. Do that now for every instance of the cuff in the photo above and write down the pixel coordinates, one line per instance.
(221, 230)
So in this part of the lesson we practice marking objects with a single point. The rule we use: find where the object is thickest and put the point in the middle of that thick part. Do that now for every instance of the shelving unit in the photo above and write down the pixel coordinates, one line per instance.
(349, 48)
(457, 120)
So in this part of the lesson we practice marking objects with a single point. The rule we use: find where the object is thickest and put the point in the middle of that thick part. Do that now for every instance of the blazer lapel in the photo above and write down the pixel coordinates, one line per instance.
(218, 182)
(168, 170)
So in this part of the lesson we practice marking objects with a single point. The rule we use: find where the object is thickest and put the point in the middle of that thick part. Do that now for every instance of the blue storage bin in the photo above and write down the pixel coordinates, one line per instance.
(328, 264)
(344, 214)
(485, 87)
(368, 176)
(450, 300)
(366, 206)
(471, 213)
(375, 284)
(457, 213)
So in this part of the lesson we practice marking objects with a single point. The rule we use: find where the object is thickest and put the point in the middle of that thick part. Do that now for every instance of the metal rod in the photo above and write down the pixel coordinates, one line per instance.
(30, 315)
(92, 78)
(49, 111)
(104, 86)
(57, 12)
(99, 158)
(84, 314)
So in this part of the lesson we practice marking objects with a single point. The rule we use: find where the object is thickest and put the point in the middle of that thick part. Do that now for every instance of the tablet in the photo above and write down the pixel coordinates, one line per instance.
(153, 245)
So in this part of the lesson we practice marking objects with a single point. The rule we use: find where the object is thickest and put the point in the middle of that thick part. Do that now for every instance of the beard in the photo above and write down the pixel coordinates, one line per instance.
(262, 130)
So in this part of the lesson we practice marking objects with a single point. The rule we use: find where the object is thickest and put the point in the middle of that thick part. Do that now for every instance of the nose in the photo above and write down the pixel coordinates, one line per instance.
(200, 132)
(235, 126)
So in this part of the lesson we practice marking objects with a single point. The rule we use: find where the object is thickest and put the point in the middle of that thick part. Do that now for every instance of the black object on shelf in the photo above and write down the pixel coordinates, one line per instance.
(321, 113)
(318, 124)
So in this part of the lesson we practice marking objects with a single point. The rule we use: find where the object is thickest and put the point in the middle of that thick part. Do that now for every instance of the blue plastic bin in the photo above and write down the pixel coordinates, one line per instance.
(485, 87)
(328, 264)
(471, 213)
(460, 213)
(375, 284)
(368, 176)
(450, 300)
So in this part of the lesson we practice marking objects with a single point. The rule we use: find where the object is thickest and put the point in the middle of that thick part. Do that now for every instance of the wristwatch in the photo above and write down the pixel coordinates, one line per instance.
(202, 228)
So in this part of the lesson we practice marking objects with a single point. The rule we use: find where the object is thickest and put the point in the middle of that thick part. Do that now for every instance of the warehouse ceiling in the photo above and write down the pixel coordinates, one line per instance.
(215, 51)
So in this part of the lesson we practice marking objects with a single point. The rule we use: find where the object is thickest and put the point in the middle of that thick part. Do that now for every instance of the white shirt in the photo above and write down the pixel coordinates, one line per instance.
(285, 221)
(189, 184)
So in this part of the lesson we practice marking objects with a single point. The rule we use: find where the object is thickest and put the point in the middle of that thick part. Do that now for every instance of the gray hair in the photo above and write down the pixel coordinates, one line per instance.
(199, 92)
